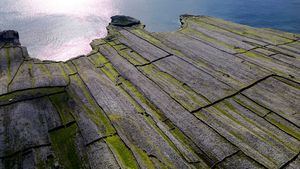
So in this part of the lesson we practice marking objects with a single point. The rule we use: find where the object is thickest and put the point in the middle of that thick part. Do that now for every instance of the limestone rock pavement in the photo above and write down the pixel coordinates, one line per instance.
(213, 94)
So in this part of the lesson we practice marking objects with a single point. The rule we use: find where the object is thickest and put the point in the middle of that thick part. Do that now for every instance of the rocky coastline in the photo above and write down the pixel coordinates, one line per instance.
(213, 94)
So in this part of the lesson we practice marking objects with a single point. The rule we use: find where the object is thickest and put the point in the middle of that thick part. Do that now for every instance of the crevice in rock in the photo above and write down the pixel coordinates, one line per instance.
(237, 33)
(100, 138)
(62, 126)
(270, 111)
(148, 41)
(290, 161)
(234, 94)
(207, 43)
(31, 97)
(25, 150)
(293, 81)
(219, 162)
(149, 63)
(12, 79)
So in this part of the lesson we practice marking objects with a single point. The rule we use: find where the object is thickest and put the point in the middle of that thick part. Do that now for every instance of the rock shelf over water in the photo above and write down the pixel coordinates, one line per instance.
(213, 94)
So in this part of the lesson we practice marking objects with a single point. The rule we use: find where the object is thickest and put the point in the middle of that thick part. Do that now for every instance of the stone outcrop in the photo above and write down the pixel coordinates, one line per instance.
(213, 94)
(124, 21)
(9, 36)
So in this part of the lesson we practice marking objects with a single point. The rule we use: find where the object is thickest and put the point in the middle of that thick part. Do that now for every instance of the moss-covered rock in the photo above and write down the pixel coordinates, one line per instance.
(213, 94)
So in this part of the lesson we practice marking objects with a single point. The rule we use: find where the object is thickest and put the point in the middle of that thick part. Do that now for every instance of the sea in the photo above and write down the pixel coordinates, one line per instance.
(62, 29)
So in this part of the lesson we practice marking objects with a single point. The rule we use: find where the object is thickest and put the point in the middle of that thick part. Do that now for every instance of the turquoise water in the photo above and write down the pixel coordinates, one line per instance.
(62, 29)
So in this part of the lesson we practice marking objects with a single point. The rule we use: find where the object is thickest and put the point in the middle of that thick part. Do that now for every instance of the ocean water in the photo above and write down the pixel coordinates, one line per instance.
(62, 29)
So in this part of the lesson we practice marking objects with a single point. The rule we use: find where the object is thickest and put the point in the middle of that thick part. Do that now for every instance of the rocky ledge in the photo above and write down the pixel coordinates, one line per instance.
(213, 94)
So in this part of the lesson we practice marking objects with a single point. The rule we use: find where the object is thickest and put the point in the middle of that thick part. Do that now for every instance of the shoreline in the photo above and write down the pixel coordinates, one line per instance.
(213, 94)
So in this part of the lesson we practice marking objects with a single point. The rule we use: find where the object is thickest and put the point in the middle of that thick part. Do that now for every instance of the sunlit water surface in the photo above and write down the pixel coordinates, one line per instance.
(62, 29)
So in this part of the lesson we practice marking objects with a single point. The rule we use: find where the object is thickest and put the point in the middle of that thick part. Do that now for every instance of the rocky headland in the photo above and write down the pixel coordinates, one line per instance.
(213, 94)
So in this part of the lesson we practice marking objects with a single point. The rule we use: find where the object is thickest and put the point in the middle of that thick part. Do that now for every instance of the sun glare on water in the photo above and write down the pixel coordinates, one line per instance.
(70, 7)
(58, 29)
(68, 26)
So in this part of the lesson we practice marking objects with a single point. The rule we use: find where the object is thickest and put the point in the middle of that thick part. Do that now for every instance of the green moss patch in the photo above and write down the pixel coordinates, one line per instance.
(91, 108)
(60, 101)
(124, 156)
(64, 146)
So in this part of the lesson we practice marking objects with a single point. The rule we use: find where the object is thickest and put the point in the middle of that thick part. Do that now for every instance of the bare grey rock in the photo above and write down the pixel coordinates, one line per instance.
(124, 21)
(9, 36)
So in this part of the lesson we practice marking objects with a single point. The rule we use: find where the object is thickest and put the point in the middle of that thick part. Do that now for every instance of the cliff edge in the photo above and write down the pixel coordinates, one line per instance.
(213, 94)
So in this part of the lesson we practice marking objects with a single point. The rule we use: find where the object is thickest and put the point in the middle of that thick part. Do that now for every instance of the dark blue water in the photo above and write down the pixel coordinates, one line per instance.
(160, 16)
(62, 29)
